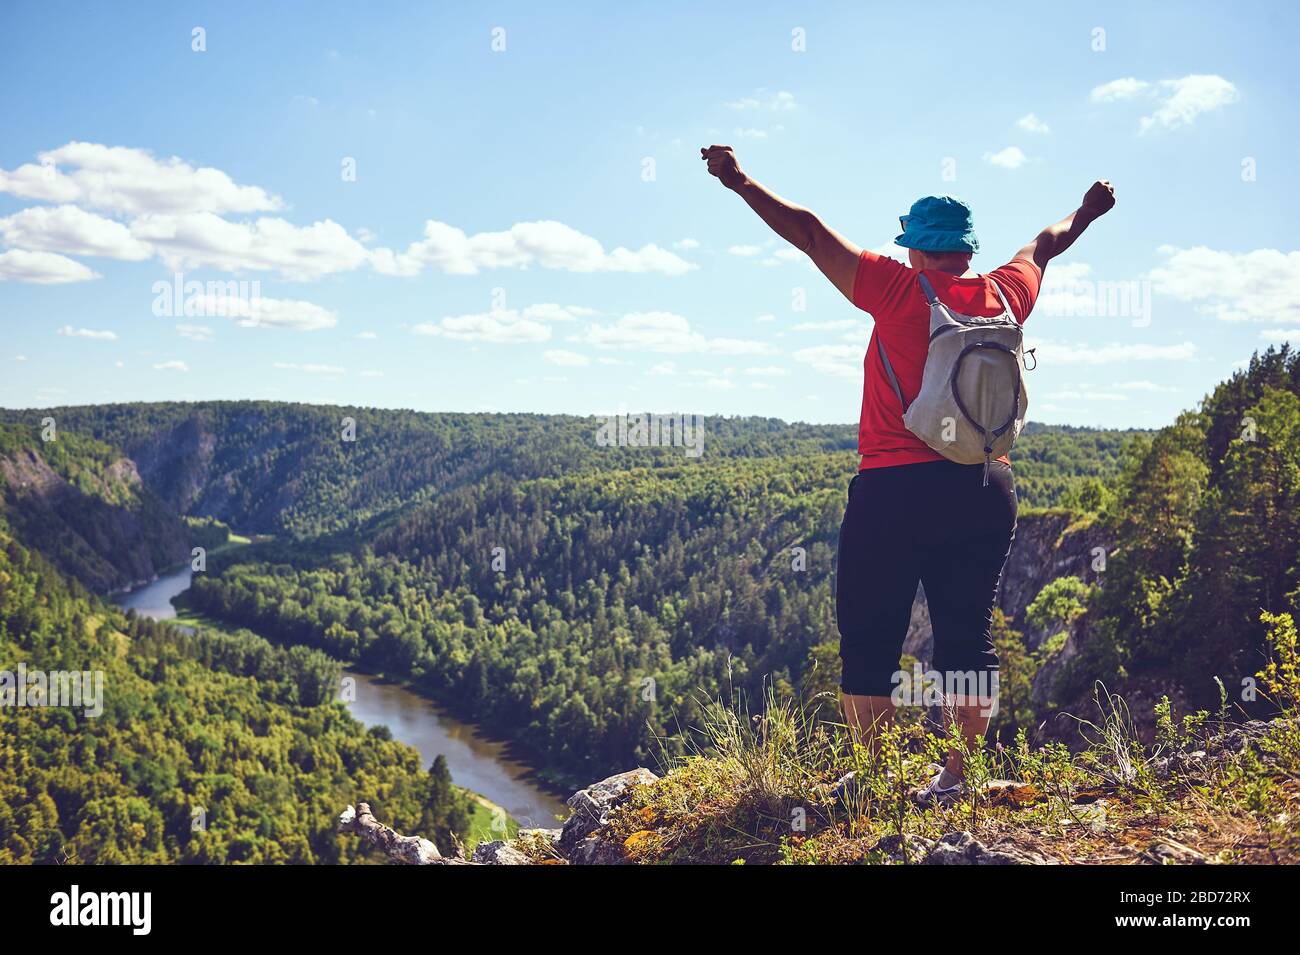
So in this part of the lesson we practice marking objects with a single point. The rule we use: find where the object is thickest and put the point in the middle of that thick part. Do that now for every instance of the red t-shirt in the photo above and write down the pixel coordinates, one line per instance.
(890, 291)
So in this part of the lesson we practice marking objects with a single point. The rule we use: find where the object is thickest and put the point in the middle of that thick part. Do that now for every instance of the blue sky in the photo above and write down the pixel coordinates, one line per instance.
(530, 227)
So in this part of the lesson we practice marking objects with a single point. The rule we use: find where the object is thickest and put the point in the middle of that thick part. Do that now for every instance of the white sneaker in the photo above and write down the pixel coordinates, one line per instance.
(934, 794)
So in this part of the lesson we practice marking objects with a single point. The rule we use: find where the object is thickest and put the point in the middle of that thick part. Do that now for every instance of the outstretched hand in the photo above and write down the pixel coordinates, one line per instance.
(1100, 197)
(722, 163)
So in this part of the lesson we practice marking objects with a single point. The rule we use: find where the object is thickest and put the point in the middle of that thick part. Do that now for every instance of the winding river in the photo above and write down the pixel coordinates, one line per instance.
(476, 763)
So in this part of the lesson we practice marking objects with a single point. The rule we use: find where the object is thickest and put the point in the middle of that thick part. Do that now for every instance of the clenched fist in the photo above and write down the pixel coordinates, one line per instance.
(1100, 197)
(722, 163)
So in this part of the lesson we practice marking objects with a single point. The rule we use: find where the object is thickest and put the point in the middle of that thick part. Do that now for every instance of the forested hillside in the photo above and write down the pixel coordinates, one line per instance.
(84, 505)
(209, 748)
(587, 614)
(291, 470)
(1206, 519)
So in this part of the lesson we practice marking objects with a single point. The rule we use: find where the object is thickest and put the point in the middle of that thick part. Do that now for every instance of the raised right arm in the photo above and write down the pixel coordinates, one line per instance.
(1059, 236)
(835, 255)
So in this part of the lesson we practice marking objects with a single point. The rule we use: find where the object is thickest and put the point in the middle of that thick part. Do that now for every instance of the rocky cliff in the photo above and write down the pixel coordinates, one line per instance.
(1174, 805)
(1048, 544)
(95, 520)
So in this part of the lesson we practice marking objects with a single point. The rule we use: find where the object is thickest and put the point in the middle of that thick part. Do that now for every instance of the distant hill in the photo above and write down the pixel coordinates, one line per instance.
(288, 469)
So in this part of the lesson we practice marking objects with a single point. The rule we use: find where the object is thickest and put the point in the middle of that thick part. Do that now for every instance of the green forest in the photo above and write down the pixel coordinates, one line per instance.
(211, 747)
(586, 602)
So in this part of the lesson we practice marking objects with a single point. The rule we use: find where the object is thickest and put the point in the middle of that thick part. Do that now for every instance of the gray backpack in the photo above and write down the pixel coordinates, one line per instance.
(972, 401)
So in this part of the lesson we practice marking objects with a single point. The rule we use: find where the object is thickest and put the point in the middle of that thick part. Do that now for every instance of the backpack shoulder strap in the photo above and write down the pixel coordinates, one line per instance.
(928, 289)
(889, 370)
(1006, 307)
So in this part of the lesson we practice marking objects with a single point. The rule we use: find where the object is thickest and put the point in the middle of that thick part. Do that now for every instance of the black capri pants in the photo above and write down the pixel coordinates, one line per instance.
(932, 522)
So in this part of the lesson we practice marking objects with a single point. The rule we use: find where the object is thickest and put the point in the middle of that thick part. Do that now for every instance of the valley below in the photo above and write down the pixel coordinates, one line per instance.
(480, 765)
(610, 609)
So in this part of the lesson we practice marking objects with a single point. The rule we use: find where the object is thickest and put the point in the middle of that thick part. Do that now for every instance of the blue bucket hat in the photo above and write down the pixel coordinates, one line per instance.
(939, 224)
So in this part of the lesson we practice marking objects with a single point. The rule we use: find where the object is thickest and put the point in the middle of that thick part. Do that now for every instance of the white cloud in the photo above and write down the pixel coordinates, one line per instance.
(299, 253)
(550, 312)
(1068, 273)
(1262, 285)
(72, 231)
(505, 325)
(781, 101)
(665, 332)
(714, 380)
(366, 336)
(97, 334)
(666, 368)
(547, 244)
(178, 212)
(371, 373)
(1085, 395)
(42, 268)
(174, 210)
(1067, 290)
(1149, 386)
(686, 245)
(1281, 334)
(749, 132)
(499, 327)
(1032, 124)
(892, 250)
(570, 359)
(172, 365)
(266, 312)
(766, 318)
(131, 182)
(843, 361)
(834, 325)
(1187, 98)
(745, 251)
(766, 371)
(309, 368)
(1010, 158)
(781, 256)
(195, 333)
(1120, 89)
(1067, 353)
(1178, 102)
